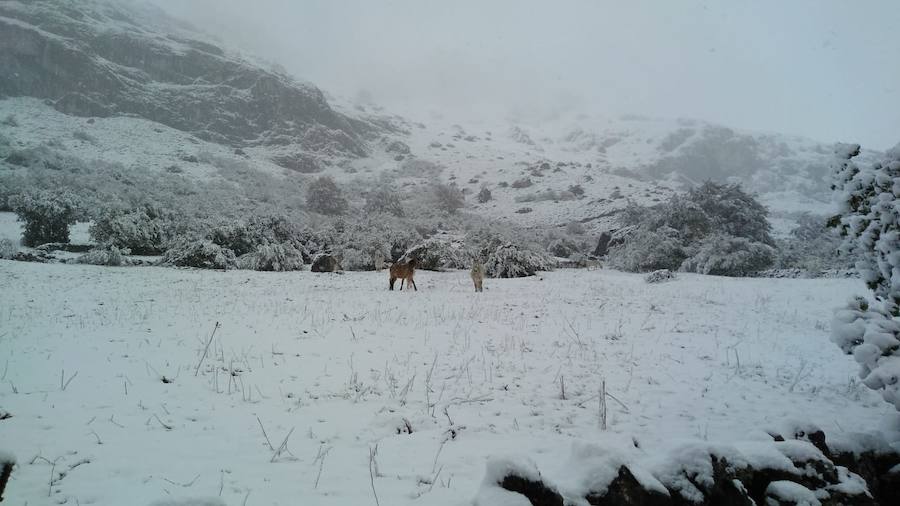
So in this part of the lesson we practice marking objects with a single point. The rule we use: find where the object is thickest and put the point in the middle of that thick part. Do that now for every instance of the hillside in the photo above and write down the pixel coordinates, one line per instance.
(123, 84)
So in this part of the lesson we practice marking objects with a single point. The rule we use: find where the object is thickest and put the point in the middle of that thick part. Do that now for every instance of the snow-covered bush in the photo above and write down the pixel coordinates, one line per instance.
(513, 261)
(725, 255)
(8, 248)
(109, 255)
(448, 197)
(203, 254)
(439, 253)
(384, 200)
(484, 195)
(812, 247)
(323, 196)
(648, 250)
(659, 276)
(714, 229)
(272, 257)
(869, 220)
(245, 237)
(47, 215)
(146, 230)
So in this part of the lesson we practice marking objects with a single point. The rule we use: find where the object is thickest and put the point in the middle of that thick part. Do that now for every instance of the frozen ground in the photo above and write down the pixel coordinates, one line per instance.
(100, 374)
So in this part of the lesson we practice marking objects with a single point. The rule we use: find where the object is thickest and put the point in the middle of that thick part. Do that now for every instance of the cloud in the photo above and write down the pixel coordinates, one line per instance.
(824, 69)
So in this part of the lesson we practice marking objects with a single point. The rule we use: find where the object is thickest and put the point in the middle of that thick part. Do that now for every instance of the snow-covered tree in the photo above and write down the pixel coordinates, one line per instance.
(47, 215)
(648, 250)
(869, 219)
(323, 196)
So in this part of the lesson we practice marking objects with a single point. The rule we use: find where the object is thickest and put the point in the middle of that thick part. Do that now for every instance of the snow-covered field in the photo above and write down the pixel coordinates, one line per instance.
(118, 397)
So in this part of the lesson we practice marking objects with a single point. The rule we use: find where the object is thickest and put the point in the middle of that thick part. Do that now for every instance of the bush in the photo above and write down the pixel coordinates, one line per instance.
(484, 195)
(448, 197)
(144, 231)
(689, 226)
(8, 249)
(247, 237)
(659, 276)
(724, 255)
(871, 226)
(438, 254)
(47, 216)
(272, 257)
(323, 196)
(648, 250)
(203, 254)
(383, 200)
(110, 255)
(512, 261)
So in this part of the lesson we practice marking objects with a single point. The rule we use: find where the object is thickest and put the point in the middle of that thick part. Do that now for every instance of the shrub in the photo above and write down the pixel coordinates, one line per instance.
(448, 197)
(659, 276)
(323, 196)
(110, 255)
(8, 248)
(272, 257)
(384, 200)
(246, 237)
(870, 224)
(144, 231)
(437, 254)
(47, 215)
(525, 182)
(575, 228)
(724, 255)
(203, 254)
(484, 195)
(648, 250)
(512, 261)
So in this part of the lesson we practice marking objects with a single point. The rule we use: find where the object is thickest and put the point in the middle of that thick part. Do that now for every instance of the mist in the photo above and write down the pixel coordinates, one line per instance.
(822, 69)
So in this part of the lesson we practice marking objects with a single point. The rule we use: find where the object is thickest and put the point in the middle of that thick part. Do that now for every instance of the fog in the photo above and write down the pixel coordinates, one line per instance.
(822, 69)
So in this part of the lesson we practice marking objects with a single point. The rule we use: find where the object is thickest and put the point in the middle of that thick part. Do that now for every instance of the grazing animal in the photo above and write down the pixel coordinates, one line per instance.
(404, 272)
(477, 274)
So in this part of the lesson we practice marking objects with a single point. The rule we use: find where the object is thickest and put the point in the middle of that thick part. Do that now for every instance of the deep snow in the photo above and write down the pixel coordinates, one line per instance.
(96, 363)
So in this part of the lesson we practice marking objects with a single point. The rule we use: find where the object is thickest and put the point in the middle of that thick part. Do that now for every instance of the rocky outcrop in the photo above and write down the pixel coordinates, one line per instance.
(99, 58)
(797, 467)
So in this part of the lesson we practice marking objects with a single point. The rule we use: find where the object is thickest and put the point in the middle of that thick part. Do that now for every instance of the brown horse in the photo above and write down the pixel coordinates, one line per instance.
(404, 272)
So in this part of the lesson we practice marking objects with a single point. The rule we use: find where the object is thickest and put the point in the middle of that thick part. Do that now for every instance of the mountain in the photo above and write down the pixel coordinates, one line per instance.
(93, 58)
(124, 83)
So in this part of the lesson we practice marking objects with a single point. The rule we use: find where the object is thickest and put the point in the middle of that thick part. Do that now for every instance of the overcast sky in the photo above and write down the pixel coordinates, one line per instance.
(826, 69)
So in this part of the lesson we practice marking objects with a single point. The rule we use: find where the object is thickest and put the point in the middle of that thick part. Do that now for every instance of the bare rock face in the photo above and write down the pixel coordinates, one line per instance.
(99, 58)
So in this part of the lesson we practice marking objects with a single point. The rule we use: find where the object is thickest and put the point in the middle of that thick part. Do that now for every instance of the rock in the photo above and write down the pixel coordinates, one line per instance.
(537, 492)
(602, 245)
(324, 262)
(625, 489)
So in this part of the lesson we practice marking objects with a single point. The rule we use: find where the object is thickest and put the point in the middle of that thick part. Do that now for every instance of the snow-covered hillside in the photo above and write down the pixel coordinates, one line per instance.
(126, 84)
(119, 393)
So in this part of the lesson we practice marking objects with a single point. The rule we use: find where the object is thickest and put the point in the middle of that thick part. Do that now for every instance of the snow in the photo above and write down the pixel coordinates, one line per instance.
(790, 492)
(103, 376)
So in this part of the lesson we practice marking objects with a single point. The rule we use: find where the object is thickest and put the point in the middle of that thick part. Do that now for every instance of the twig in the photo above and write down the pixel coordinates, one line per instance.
(283, 445)
(167, 427)
(602, 406)
(321, 458)
(372, 453)
(206, 350)
(265, 435)
(62, 375)
(185, 485)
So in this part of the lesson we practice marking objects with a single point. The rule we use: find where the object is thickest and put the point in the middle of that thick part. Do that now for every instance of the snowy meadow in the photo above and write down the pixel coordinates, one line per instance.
(137, 385)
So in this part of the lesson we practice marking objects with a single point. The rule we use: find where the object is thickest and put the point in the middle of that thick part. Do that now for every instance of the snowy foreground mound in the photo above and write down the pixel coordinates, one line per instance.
(322, 388)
